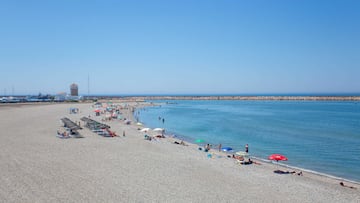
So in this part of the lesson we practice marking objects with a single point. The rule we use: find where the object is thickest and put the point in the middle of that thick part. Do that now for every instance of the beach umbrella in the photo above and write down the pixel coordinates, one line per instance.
(158, 129)
(226, 149)
(97, 110)
(144, 129)
(199, 141)
(139, 124)
(278, 157)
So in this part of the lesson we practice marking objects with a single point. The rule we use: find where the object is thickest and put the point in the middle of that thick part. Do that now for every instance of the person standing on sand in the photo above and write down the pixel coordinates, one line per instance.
(124, 133)
(219, 147)
(247, 148)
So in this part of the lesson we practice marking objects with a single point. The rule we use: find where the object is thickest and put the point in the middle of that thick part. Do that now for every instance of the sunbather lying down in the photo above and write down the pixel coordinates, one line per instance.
(288, 172)
(63, 134)
(342, 184)
(181, 143)
(240, 158)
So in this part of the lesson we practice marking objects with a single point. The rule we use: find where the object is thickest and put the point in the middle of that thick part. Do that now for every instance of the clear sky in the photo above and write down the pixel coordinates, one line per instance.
(180, 46)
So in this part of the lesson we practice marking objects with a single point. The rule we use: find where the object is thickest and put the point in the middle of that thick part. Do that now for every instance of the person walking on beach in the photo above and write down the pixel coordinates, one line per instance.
(219, 147)
(247, 148)
(124, 133)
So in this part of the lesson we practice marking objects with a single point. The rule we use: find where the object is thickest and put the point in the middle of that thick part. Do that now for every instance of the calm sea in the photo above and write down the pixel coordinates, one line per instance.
(321, 136)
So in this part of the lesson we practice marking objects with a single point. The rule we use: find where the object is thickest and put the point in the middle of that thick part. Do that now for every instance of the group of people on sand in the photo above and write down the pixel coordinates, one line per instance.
(63, 134)
(242, 160)
(148, 137)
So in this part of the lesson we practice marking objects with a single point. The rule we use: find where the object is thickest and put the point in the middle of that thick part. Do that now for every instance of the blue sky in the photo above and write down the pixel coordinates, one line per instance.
(180, 47)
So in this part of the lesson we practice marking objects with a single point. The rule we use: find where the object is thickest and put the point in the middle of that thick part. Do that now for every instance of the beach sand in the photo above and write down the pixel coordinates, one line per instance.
(37, 166)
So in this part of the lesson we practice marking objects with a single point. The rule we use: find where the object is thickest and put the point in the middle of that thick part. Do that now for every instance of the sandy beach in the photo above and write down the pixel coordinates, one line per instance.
(37, 166)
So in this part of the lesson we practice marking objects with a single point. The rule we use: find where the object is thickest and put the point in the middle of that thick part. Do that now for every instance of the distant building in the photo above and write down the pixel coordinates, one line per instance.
(74, 90)
(73, 98)
(60, 97)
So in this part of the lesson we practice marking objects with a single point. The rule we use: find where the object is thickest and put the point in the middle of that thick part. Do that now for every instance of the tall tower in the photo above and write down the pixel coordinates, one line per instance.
(74, 90)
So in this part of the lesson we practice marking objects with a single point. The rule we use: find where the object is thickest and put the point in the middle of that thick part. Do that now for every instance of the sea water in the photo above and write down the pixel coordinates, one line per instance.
(322, 136)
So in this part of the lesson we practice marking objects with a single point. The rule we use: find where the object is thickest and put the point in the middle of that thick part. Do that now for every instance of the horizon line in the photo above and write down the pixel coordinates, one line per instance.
(200, 94)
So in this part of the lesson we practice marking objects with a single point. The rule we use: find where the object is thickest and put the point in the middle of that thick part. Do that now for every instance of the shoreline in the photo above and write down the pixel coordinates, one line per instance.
(181, 137)
(38, 166)
(265, 161)
(315, 173)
